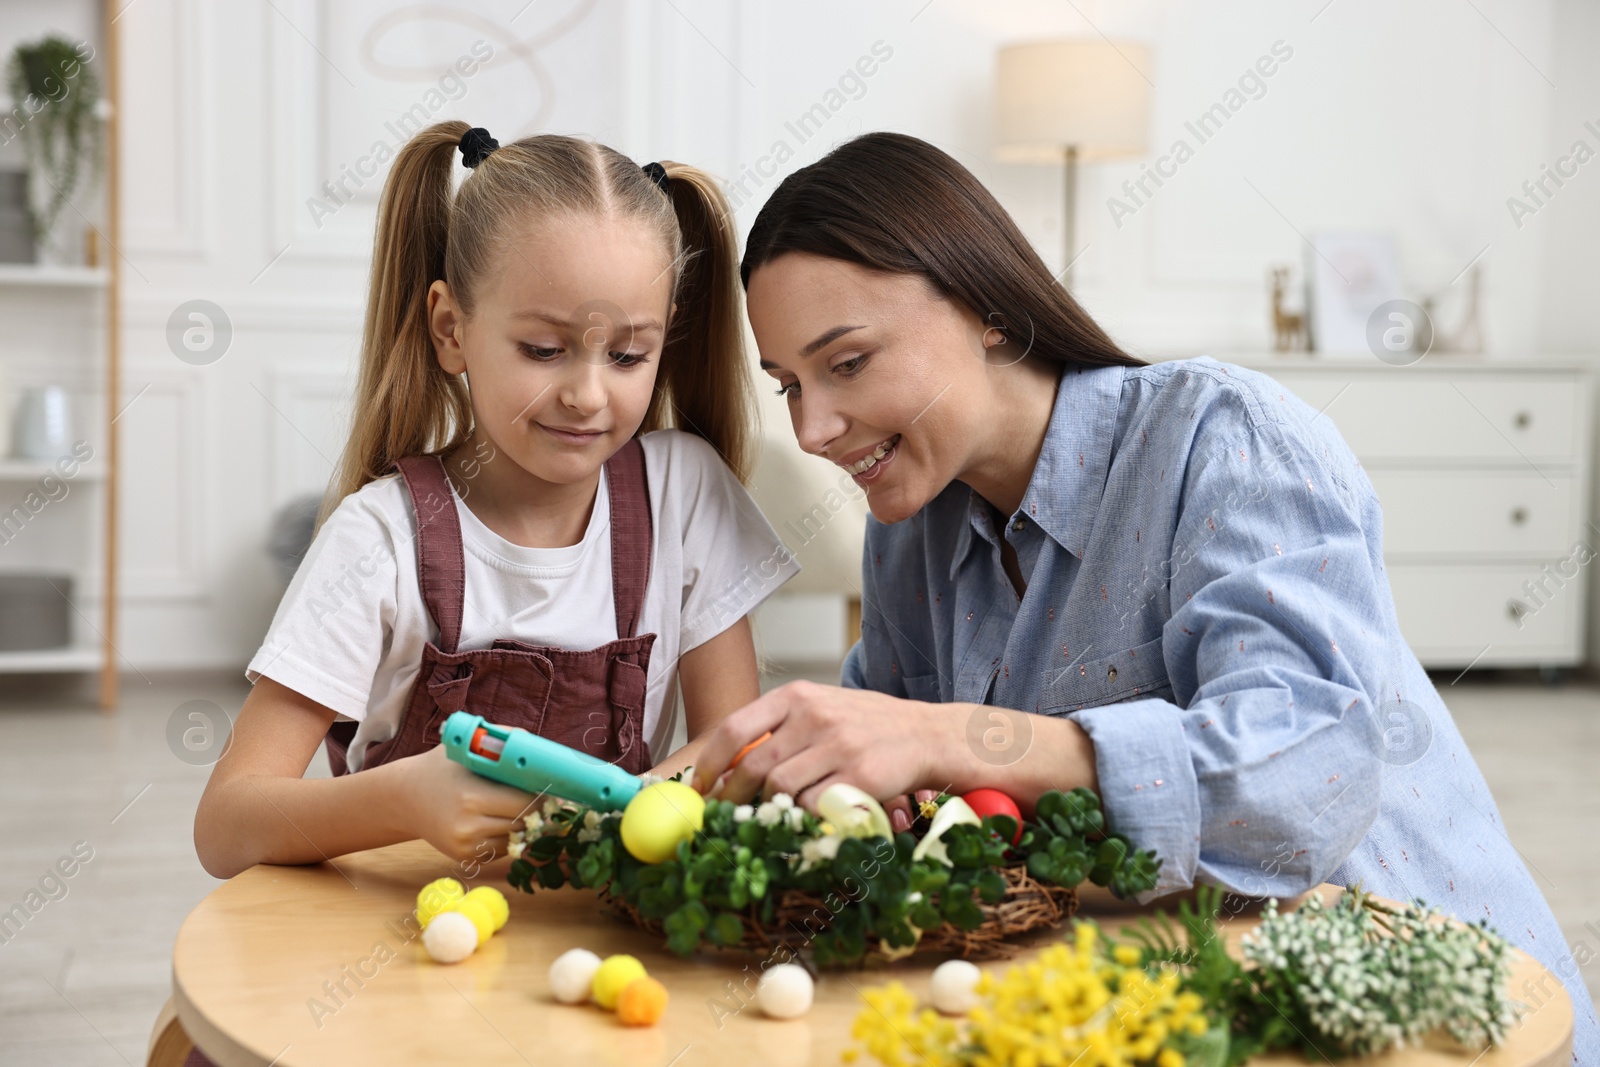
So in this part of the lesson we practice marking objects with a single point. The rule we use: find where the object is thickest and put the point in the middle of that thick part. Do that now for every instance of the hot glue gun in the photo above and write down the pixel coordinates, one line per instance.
(515, 757)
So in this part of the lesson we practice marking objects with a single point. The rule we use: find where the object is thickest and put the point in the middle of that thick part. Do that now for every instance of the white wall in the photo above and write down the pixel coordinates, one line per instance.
(1420, 120)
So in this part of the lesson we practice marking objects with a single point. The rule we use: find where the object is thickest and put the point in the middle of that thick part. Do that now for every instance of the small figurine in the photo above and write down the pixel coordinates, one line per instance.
(1288, 328)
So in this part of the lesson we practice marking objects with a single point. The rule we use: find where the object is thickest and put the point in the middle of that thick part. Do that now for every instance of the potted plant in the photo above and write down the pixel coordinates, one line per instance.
(56, 113)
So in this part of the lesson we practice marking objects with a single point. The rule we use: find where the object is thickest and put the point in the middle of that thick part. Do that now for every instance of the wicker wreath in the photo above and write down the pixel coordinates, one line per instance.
(1028, 904)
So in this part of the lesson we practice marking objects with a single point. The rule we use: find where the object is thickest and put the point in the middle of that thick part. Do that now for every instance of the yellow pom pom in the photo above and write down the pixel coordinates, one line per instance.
(437, 896)
(613, 977)
(658, 817)
(479, 913)
(642, 1003)
(495, 901)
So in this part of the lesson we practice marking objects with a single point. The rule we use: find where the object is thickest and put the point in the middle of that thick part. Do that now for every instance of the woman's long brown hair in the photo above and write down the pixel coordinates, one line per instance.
(895, 203)
(407, 405)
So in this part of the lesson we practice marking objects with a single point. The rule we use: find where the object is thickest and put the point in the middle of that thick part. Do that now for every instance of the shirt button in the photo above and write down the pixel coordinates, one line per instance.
(1111, 675)
(1019, 523)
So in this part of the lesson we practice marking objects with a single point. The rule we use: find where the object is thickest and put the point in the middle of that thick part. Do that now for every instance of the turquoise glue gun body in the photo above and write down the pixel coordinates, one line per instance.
(513, 756)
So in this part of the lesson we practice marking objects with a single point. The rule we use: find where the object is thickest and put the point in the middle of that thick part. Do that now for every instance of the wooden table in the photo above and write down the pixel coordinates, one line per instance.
(258, 967)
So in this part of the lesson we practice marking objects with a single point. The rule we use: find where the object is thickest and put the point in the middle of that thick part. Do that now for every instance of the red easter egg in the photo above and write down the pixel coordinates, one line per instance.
(986, 802)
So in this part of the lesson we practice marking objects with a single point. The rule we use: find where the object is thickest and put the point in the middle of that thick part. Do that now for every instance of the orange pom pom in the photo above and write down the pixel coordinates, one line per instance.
(642, 1003)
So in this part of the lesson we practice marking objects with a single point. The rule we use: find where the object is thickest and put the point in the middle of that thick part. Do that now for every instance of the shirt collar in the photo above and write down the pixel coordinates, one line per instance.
(1069, 479)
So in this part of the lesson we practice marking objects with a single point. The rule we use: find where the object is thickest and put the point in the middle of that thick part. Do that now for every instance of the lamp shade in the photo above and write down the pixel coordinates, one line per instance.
(1087, 94)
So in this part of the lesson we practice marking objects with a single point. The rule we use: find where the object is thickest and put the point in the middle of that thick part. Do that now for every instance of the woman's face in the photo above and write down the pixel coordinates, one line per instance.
(563, 344)
(883, 376)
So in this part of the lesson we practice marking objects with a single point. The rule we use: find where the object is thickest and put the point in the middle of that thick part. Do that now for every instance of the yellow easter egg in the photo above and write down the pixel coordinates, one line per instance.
(658, 817)
(495, 901)
(479, 913)
(613, 977)
(437, 896)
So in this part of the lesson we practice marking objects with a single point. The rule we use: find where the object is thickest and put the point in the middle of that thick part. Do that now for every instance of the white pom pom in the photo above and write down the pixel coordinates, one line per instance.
(955, 987)
(572, 974)
(450, 937)
(785, 991)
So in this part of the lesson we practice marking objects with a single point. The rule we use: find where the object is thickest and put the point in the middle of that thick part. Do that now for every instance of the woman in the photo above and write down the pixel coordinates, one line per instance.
(1161, 582)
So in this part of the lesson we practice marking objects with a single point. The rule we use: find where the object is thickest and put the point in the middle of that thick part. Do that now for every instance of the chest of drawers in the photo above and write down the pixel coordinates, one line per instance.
(1483, 471)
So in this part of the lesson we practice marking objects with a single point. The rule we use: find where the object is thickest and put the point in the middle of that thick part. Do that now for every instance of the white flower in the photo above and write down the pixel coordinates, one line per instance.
(817, 850)
(650, 779)
(952, 812)
(591, 820)
(514, 850)
(532, 822)
(795, 817)
(553, 804)
(783, 800)
(853, 811)
(768, 814)
(743, 813)
(586, 836)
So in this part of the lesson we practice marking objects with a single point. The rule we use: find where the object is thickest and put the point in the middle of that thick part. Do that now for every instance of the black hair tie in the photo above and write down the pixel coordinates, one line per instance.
(658, 174)
(476, 144)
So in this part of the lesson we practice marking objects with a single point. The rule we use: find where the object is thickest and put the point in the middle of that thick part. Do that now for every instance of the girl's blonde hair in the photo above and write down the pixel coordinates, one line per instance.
(407, 405)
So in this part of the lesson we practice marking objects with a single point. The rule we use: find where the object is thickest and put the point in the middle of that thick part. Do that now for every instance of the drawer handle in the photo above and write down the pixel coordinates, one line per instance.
(1516, 608)
(1519, 516)
(1522, 420)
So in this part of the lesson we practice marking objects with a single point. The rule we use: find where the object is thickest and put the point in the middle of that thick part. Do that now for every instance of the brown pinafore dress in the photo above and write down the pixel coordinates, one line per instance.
(592, 701)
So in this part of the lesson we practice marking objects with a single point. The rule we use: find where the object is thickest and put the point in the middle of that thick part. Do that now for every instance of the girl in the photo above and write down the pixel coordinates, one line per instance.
(516, 532)
(1161, 582)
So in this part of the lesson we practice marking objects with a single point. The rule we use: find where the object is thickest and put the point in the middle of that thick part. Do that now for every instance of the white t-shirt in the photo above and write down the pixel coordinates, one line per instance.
(350, 630)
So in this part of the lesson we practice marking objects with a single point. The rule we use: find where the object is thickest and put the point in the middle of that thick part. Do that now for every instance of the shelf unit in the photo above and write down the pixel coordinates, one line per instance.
(94, 650)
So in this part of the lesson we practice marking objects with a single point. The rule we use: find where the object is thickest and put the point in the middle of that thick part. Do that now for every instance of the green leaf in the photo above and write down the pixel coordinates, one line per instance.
(551, 876)
(1002, 826)
(545, 848)
(965, 848)
(521, 875)
(726, 929)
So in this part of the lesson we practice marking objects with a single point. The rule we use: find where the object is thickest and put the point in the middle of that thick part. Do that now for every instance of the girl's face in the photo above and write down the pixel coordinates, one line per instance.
(883, 376)
(562, 348)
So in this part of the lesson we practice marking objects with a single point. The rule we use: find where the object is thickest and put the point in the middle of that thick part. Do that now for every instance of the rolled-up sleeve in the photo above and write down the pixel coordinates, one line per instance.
(1263, 772)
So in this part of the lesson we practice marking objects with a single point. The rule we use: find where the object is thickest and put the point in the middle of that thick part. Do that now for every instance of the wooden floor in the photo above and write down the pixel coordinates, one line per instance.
(82, 982)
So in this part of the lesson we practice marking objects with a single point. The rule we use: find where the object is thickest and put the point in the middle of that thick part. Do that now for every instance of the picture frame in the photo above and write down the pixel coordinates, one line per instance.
(1351, 273)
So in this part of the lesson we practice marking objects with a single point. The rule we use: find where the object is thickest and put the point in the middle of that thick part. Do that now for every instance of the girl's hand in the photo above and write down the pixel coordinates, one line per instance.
(456, 811)
(821, 734)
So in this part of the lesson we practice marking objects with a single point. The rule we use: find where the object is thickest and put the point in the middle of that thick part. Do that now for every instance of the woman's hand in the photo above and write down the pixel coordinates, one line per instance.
(822, 734)
(455, 810)
(886, 746)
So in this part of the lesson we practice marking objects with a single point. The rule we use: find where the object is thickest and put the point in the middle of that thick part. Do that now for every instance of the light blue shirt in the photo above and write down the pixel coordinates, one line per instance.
(1205, 596)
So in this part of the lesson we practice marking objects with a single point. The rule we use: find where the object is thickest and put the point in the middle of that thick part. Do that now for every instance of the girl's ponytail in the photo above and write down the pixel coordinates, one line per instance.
(405, 403)
(703, 362)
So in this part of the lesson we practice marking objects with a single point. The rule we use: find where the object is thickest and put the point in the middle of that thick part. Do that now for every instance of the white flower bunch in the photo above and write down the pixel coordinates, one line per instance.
(1372, 978)
(818, 850)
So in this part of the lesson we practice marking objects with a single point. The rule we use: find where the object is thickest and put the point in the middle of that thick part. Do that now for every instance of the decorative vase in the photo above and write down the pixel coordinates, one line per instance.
(44, 424)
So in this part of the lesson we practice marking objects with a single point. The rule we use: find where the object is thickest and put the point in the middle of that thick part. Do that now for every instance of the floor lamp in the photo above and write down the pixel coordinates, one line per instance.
(1070, 102)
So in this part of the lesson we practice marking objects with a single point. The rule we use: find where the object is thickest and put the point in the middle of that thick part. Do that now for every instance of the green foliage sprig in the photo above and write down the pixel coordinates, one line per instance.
(738, 865)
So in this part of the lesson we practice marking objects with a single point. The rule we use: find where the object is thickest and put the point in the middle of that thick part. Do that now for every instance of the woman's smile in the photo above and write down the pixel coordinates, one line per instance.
(868, 464)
